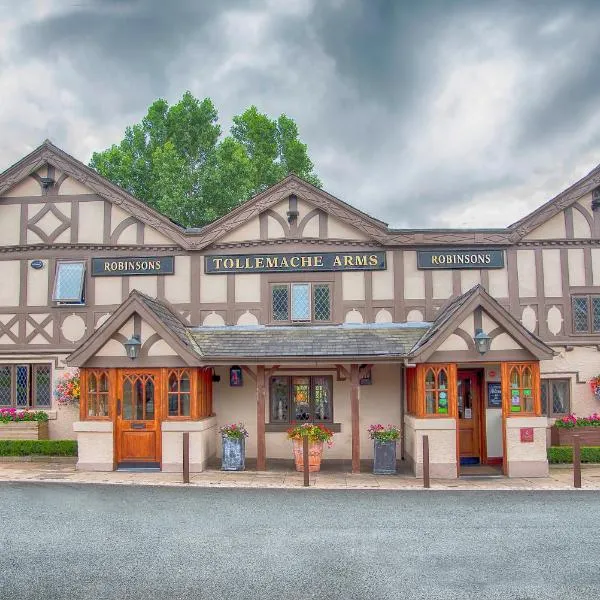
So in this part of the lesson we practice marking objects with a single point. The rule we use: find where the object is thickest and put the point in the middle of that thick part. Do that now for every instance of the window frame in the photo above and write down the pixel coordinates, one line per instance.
(32, 386)
(547, 382)
(85, 394)
(312, 386)
(193, 399)
(80, 301)
(589, 310)
(313, 285)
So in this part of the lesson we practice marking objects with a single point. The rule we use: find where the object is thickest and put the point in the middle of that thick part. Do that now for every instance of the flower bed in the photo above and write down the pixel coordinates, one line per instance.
(17, 424)
(587, 428)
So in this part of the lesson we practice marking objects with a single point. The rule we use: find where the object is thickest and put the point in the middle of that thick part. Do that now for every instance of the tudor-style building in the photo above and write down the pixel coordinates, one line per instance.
(295, 306)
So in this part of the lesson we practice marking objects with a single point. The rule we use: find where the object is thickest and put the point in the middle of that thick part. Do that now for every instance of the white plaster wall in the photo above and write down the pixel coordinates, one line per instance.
(151, 236)
(414, 280)
(108, 290)
(247, 231)
(247, 287)
(498, 283)
(442, 284)
(311, 227)
(10, 224)
(383, 281)
(504, 342)
(147, 284)
(340, 231)
(353, 285)
(468, 325)
(72, 187)
(493, 417)
(552, 229)
(91, 221)
(552, 273)
(10, 276)
(453, 342)
(37, 285)
(576, 266)
(526, 273)
(442, 445)
(26, 187)
(161, 348)
(581, 363)
(178, 285)
(469, 278)
(274, 228)
(596, 266)
(213, 288)
(581, 228)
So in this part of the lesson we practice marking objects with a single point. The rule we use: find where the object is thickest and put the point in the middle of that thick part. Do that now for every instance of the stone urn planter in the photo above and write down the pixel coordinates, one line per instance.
(563, 436)
(234, 454)
(384, 457)
(233, 437)
(315, 454)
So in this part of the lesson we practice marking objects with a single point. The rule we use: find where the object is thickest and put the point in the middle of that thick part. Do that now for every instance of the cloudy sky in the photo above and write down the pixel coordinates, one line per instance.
(446, 113)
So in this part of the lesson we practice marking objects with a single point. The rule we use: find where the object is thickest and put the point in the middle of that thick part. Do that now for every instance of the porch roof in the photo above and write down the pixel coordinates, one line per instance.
(366, 341)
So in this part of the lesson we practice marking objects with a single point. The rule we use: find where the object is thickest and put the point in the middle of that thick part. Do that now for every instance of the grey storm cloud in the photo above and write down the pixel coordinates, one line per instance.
(433, 113)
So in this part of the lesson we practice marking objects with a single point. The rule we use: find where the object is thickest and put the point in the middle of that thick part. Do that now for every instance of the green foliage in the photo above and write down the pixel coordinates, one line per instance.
(564, 454)
(38, 447)
(176, 161)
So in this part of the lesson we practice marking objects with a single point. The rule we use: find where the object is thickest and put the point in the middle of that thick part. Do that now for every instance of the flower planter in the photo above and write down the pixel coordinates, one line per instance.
(315, 453)
(24, 430)
(234, 454)
(384, 457)
(563, 436)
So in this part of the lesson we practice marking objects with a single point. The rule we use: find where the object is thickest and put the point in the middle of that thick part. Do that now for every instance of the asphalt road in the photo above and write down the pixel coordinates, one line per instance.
(71, 541)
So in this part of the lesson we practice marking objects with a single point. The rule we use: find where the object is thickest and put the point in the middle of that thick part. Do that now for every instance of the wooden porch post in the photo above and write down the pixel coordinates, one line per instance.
(355, 419)
(261, 446)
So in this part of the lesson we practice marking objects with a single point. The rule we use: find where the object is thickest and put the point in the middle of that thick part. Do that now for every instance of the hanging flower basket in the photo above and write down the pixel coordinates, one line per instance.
(68, 389)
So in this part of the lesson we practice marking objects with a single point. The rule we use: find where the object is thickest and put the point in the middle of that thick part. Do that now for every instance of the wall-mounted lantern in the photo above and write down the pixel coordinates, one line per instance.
(235, 376)
(482, 341)
(132, 346)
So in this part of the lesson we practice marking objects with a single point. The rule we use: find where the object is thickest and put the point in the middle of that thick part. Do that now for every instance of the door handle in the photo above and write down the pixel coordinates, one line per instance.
(118, 408)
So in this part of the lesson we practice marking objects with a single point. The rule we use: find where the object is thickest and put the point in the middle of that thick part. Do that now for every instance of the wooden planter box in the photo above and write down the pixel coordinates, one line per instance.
(588, 436)
(24, 430)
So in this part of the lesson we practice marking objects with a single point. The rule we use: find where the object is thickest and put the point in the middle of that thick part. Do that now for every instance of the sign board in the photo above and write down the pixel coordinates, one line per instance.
(292, 263)
(145, 265)
(477, 258)
(494, 394)
(526, 435)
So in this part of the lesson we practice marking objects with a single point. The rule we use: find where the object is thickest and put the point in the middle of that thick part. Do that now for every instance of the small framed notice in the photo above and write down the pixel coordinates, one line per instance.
(494, 394)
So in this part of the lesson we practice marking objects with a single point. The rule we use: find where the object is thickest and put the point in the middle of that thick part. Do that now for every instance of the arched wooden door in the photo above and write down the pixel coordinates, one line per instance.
(137, 425)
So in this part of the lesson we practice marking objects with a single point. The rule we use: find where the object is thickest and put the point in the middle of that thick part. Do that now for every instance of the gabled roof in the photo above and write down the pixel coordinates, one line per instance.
(48, 154)
(292, 184)
(158, 315)
(331, 342)
(554, 206)
(460, 308)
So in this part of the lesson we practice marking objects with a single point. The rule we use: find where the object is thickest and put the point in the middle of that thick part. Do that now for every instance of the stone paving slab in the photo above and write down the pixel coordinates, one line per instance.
(560, 479)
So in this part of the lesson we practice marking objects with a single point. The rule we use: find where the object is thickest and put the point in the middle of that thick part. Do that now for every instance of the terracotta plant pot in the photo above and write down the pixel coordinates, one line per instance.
(315, 453)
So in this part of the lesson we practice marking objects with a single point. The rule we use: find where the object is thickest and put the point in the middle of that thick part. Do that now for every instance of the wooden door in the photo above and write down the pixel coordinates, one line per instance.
(469, 414)
(137, 419)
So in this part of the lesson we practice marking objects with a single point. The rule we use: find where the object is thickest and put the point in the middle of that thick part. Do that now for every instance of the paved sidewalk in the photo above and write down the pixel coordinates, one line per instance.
(561, 478)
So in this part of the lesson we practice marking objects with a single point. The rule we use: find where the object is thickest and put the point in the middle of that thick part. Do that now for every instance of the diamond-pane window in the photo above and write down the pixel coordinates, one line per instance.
(22, 385)
(5, 386)
(300, 302)
(595, 313)
(43, 378)
(580, 314)
(68, 285)
(558, 391)
(280, 303)
(322, 303)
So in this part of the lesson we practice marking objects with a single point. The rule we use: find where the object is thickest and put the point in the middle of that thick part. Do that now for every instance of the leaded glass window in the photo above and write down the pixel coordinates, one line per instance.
(6, 379)
(26, 386)
(97, 394)
(304, 398)
(436, 391)
(280, 303)
(68, 284)
(586, 314)
(556, 397)
(43, 385)
(179, 393)
(322, 303)
(300, 302)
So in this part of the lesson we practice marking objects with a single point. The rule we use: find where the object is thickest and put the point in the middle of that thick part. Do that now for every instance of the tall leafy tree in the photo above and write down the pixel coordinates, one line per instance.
(177, 161)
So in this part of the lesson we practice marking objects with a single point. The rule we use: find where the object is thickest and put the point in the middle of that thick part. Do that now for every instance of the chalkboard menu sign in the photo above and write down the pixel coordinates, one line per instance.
(494, 394)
